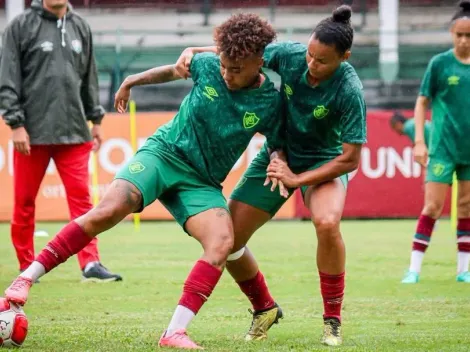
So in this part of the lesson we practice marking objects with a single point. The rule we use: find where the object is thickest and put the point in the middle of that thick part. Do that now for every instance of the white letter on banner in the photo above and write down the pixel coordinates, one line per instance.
(381, 163)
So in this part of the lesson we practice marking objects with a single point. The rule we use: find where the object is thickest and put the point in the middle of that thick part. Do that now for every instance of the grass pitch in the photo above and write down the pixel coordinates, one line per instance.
(380, 314)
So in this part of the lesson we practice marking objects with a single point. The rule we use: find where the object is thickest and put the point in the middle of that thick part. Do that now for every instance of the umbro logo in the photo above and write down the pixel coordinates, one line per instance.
(47, 46)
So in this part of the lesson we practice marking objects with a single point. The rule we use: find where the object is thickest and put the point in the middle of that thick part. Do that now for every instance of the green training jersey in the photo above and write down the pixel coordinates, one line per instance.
(319, 119)
(447, 84)
(409, 128)
(214, 125)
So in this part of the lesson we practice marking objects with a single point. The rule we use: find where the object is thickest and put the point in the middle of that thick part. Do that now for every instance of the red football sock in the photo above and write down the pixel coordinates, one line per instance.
(463, 235)
(257, 292)
(332, 291)
(199, 285)
(423, 233)
(68, 242)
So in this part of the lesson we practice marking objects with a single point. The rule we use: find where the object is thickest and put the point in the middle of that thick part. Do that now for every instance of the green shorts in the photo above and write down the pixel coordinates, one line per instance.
(441, 170)
(159, 174)
(250, 189)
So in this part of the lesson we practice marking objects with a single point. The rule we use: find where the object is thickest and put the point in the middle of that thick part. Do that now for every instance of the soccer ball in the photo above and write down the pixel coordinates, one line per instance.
(13, 324)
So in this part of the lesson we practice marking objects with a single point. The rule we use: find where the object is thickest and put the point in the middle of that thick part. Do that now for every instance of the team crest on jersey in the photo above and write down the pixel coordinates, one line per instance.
(438, 169)
(288, 90)
(210, 93)
(250, 120)
(77, 46)
(320, 112)
(453, 80)
(136, 167)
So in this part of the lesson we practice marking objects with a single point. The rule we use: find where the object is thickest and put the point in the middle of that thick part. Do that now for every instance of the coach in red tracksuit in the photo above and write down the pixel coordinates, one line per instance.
(48, 92)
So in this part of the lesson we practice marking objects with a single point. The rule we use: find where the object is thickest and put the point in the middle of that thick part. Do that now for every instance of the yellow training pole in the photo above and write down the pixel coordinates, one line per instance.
(94, 180)
(453, 205)
(133, 135)
(95, 192)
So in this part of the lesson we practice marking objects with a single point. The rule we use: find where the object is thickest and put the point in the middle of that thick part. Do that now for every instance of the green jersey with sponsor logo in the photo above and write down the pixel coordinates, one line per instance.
(319, 119)
(214, 125)
(447, 84)
(409, 129)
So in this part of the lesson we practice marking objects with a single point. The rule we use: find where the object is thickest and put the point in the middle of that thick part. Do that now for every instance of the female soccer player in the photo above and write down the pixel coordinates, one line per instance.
(446, 85)
(326, 127)
(184, 163)
(407, 126)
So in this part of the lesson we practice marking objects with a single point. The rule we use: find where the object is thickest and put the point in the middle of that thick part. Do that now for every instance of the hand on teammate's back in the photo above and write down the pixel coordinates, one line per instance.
(184, 62)
(420, 153)
(21, 140)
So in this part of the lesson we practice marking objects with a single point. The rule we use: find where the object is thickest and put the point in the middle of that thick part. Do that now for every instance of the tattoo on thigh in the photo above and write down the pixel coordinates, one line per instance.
(133, 198)
(221, 212)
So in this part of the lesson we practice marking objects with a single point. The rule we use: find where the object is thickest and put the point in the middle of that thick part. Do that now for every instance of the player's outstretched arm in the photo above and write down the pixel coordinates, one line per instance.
(157, 75)
(184, 61)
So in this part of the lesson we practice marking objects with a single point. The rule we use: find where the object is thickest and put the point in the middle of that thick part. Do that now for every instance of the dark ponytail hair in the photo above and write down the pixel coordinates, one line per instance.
(463, 11)
(337, 29)
(397, 117)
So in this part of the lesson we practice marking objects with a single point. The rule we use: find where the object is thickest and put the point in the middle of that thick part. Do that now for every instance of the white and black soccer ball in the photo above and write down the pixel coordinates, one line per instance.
(13, 324)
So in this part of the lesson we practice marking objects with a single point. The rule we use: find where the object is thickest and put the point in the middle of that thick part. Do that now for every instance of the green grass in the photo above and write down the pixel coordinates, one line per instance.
(380, 314)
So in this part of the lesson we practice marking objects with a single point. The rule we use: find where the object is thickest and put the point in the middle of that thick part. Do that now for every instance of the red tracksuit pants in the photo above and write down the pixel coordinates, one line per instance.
(29, 170)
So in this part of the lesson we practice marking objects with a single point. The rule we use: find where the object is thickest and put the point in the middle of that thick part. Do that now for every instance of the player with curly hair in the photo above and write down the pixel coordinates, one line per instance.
(325, 131)
(184, 163)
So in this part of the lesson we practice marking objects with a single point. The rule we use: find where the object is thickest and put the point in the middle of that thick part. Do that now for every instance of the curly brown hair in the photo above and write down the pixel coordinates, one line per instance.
(243, 35)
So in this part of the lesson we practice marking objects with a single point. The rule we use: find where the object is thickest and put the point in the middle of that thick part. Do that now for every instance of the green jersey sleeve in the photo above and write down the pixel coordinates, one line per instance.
(278, 55)
(409, 129)
(353, 116)
(200, 64)
(275, 135)
(273, 55)
(429, 82)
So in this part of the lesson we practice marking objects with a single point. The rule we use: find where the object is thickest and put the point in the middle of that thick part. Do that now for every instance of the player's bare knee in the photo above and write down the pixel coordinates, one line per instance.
(224, 243)
(463, 207)
(327, 229)
(433, 209)
(219, 248)
(327, 223)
